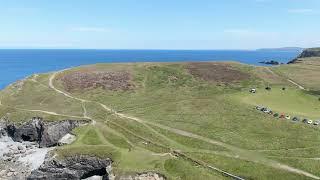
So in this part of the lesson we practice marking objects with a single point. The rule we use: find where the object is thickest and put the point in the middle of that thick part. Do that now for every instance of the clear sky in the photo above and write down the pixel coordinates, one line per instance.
(159, 24)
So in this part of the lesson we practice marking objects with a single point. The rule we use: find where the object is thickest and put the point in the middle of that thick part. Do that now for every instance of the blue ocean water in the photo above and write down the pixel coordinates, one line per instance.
(17, 64)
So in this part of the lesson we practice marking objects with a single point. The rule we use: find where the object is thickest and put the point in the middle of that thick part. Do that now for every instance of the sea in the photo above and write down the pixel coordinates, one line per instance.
(16, 64)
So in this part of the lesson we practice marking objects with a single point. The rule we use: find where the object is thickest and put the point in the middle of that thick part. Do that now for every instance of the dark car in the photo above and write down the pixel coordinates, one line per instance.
(295, 119)
(275, 115)
(305, 121)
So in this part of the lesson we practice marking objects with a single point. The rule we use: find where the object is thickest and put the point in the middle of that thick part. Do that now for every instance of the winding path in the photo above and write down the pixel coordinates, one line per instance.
(246, 154)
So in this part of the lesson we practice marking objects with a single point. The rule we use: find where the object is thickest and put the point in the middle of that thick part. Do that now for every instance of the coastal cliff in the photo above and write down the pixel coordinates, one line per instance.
(307, 53)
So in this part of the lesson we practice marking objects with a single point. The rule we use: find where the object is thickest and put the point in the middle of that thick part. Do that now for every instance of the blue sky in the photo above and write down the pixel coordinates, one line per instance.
(161, 24)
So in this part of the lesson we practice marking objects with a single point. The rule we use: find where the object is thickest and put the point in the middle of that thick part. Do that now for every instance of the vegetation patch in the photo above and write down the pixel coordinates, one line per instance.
(108, 80)
(217, 72)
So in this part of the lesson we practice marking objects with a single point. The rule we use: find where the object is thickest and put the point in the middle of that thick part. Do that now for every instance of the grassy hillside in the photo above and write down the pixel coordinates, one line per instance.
(305, 72)
(181, 119)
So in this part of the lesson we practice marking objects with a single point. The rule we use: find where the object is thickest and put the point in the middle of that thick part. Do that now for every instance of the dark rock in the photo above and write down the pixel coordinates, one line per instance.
(76, 167)
(30, 131)
(45, 134)
(53, 132)
(272, 62)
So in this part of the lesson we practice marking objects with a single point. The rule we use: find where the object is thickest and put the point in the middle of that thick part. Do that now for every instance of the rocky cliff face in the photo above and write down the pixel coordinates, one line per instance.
(30, 131)
(85, 167)
(53, 132)
(76, 167)
(312, 52)
(22, 158)
(46, 134)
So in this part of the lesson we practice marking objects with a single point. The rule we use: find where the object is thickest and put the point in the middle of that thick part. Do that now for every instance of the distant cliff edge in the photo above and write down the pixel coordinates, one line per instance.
(311, 52)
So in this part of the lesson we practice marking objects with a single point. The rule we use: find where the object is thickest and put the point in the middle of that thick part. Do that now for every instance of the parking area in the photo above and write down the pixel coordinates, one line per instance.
(285, 116)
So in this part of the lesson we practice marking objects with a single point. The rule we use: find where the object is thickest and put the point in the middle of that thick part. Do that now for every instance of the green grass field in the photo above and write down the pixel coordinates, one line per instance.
(290, 101)
(211, 123)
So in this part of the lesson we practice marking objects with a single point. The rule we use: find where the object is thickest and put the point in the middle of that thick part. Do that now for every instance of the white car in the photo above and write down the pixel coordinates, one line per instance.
(310, 121)
(316, 123)
(253, 90)
(288, 117)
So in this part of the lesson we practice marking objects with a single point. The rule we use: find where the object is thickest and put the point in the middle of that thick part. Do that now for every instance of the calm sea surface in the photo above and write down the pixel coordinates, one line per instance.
(17, 64)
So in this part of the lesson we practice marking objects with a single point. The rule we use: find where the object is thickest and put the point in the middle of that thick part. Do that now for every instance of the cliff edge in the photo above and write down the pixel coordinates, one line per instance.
(307, 53)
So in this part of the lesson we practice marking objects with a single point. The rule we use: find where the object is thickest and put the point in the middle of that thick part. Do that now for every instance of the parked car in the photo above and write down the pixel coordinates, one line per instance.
(288, 117)
(305, 120)
(266, 110)
(295, 119)
(253, 90)
(310, 121)
(282, 116)
(316, 123)
(276, 115)
(259, 108)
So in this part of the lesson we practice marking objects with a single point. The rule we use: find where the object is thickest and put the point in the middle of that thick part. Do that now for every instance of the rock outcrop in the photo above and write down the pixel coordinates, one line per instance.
(75, 167)
(84, 167)
(17, 160)
(47, 134)
(30, 131)
(272, 62)
(23, 159)
(53, 132)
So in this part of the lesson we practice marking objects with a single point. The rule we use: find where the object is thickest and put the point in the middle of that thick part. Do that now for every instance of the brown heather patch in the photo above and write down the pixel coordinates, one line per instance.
(216, 72)
(108, 80)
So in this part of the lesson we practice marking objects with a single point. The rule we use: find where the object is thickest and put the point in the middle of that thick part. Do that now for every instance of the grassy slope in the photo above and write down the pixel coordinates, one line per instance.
(305, 72)
(220, 112)
(291, 101)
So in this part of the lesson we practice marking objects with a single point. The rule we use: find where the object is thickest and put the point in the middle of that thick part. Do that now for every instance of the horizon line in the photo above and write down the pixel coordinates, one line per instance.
(154, 49)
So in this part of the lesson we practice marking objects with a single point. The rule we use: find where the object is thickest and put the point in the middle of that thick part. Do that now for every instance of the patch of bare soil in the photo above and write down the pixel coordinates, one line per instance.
(113, 80)
(216, 72)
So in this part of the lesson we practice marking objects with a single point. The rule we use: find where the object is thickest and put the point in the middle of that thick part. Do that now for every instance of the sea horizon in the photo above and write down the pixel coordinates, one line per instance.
(153, 49)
